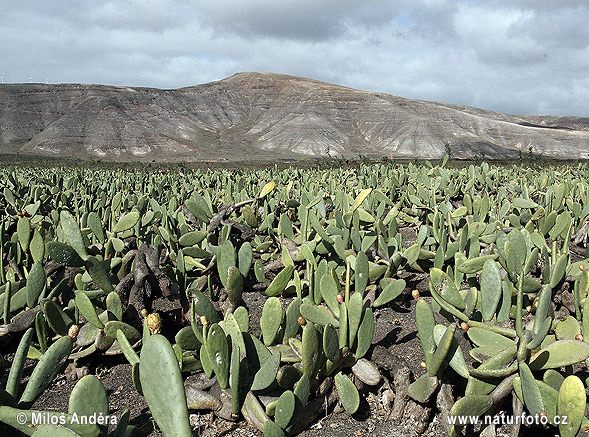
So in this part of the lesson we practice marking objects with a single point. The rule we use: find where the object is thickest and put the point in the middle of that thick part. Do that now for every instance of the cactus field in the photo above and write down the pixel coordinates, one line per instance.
(280, 301)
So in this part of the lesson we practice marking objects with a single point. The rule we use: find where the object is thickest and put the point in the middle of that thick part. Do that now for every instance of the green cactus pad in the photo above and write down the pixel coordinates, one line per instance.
(219, 354)
(267, 373)
(87, 309)
(456, 358)
(571, 403)
(72, 234)
(318, 314)
(422, 388)
(18, 363)
(486, 338)
(347, 392)
(225, 258)
(56, 318)
(390, 292)
(161, 382)
(560, 353)
(126, 222)
(567, 329)
(88, 397)
(284, 409)
(51, 363)
(530, 391)
(111, 328)
(365, 333)
(490, 289)
(278, 285)
(36, 284)
(471, 405)
(271, 319)
(311, 351)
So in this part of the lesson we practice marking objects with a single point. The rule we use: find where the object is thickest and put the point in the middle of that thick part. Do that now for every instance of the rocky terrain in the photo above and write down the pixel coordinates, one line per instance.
(265, 116)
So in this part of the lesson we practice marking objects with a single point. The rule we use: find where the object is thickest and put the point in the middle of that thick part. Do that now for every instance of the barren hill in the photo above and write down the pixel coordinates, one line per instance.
(264, 116)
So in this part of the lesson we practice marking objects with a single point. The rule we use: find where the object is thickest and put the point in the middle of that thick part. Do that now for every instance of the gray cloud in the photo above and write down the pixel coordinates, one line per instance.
(514, 56)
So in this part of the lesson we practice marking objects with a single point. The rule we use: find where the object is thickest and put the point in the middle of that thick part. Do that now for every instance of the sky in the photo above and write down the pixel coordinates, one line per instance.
(510, 56)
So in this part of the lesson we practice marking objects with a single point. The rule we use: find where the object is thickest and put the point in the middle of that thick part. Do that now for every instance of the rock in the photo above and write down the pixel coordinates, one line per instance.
(401, 382)
(253, 412)
(73, 373)
(200, 400)
(417, 416)
(200, 381)
(367, 372)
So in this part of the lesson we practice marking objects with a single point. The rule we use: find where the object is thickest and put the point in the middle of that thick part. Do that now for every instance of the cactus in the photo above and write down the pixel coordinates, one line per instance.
(219, 354)
(267, 373)
(234, 285)
(284, 409)
(36, 284)
(558, 354)
(86, 308)
(225, 259)
(319, 315)
(490, 289)
(571, 404)
(271, 319)
(18, 363)
(278, 285)
(162, 386)
(365, 333)
(88, 397)
(310, 351)
(330, 343)
(50, 364)
(389, 292)
(347, 392)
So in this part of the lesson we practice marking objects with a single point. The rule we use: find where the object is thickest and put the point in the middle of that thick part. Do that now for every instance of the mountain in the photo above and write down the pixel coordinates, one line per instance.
(265, 116)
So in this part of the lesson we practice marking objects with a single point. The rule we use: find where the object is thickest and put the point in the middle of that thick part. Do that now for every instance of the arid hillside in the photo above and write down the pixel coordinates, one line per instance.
(265, 116)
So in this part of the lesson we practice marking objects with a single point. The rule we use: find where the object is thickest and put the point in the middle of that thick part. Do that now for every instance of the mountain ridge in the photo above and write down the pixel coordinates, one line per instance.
(266, 116)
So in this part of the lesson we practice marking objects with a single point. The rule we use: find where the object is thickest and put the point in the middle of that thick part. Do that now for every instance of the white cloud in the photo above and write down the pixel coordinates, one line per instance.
(517, 56)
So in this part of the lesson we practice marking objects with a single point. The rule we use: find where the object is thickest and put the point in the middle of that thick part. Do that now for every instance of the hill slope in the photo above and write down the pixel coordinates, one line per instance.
(265, 116)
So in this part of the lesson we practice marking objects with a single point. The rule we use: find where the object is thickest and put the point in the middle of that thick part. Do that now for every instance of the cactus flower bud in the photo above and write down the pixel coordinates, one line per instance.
(203, 320)
(73, 331)
(340, 298)
(302, 321)
(154, 323)
(422, 364)
(464, 326)
(415, 294)
(579, 337)
(582, 267)
(144, 313)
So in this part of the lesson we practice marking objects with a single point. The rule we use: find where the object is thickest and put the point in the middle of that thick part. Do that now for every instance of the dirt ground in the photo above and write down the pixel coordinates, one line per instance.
(395, 344)
(395, 331)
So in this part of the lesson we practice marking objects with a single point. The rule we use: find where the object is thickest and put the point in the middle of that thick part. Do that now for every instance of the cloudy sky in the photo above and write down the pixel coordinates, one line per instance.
(512, 56)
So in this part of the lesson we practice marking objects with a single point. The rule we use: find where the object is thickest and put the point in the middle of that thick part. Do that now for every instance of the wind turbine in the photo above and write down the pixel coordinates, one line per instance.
(2, 74)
